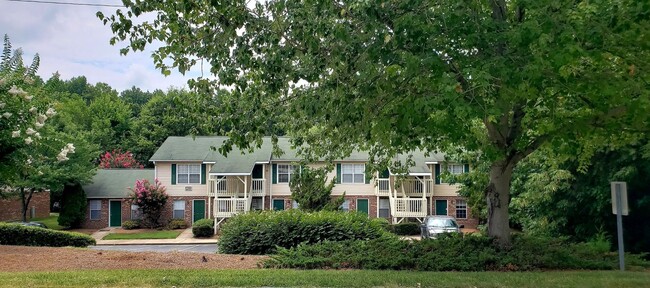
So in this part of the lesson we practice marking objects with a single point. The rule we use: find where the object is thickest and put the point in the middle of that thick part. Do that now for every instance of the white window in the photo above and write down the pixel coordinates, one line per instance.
(136, 212)
(384, 208)
(284, 172)
(189, 174)
(456, 169)
(179, 209)
(95, 209)
(461, 209)
(353, 173)
(345, 206)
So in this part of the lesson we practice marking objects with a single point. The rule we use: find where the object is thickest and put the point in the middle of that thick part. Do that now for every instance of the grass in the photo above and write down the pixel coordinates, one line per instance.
(321, 278)
(51, 221)
(164, 234)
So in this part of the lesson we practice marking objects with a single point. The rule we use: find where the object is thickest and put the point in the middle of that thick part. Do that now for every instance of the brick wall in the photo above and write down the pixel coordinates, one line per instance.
(469, 222)
(168, 211)
(102, 222)
(288, 203)
(10, 209)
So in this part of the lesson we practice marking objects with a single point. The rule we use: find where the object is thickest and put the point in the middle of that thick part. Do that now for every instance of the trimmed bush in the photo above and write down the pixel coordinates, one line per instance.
(16, 234)
(203, 228)
(176, 224)
(408, 228)
(73, 206)
(261, 232)
(131, 224)
(450, 252)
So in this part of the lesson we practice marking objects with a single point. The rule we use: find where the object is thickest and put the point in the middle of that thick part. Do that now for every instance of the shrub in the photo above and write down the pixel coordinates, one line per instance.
(261, 232)
(73, 206)
(16, 234)
(131, 224)
(312, 192)
(450, 252)
(384, 223)
(408, 228)
(203, 228)
(118, 159)
(151, 199)
(176, 224)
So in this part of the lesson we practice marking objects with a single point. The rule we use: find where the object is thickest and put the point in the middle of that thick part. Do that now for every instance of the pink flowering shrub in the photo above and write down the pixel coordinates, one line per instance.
(151, 198)
(118, 159)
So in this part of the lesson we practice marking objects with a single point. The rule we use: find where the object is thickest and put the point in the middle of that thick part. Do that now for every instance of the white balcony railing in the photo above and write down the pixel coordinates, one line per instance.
(229, 207)
(383, 187)
(409, 207)
(257, 187)
(415, 187)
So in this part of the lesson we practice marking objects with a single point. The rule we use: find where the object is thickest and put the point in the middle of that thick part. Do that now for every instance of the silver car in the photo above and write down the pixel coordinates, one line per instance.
(434, 225)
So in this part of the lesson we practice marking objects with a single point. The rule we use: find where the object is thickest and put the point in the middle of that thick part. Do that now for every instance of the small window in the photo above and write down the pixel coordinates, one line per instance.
(136, 212)
(95, 209)
(189, 174)
(456, 169)
(353, 173)
(345, 206)
(284, 172)
(179, 209)
(384, 208)
(256, 203)
(461, 209)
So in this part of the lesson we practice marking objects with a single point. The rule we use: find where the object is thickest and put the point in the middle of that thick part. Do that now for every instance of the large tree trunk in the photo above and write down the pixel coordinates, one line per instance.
(25, 201)
(498, 197)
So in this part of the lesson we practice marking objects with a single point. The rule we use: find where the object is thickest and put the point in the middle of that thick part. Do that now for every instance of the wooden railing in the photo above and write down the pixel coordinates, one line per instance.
(383, 187)
(409, 207)
(228, 207)
(257, 187)
(415, 187)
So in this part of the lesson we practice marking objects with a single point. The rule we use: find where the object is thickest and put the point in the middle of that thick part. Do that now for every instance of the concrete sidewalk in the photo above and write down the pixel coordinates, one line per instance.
(186, 237)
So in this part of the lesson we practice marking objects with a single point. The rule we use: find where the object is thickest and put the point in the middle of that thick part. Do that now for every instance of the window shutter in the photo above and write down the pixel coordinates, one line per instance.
(338, 173)
(203, 168)
(437, 173)
(274, 172)
(368, 176)
(173, 174)
(466, 168)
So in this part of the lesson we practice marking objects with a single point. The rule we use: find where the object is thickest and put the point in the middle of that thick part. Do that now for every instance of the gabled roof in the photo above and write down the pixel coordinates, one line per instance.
(238, 162)
(114, 183)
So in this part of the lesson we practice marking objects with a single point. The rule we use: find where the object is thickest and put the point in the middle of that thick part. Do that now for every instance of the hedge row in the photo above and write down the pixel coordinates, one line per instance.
(16, 234)
(203, 228)
(261, 232)
(449, 253)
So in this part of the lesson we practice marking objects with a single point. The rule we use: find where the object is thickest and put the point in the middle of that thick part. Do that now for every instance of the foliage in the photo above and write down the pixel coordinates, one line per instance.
(33, 155)
(176, 224)
(15, 234)
(73, 206)
(261, 232)
(131, 224)
(406, 228)
(393, 77)
(151, 198)
(50, 221)
(451, 252)
(203, 228)
(136, 98)
(312, 192)
(118, 159)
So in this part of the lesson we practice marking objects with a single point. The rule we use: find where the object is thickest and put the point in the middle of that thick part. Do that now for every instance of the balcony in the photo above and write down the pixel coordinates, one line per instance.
(234, 187)
(409, 207)
(383, 187)
(225, 208)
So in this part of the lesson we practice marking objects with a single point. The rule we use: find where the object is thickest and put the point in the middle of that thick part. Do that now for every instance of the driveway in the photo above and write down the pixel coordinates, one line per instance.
(197, 248)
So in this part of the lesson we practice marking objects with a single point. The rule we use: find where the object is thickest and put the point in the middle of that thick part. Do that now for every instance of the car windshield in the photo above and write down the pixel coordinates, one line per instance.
(438, 222)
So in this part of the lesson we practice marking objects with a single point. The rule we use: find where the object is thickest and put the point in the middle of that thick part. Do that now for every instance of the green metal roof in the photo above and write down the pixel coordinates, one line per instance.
(239, 162)
(114, 183)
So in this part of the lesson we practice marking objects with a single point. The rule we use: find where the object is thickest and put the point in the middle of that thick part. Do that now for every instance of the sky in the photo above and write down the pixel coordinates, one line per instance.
(74, 42)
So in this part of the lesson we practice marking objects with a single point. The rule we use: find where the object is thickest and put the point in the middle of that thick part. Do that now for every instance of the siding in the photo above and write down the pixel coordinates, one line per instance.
(164, 172)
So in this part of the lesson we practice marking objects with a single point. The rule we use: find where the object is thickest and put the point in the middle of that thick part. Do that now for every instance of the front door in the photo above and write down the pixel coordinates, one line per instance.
(278, 204)
(115, 211)
(362, 206)
(441, 207)
(199, 210)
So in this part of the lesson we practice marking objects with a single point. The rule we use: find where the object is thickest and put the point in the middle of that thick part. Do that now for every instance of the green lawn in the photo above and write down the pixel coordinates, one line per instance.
(316, 278)
(51, 222)
(165, 234)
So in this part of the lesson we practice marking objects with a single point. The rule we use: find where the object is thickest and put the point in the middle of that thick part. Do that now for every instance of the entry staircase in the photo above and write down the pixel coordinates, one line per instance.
(233, 195)
(408, 197)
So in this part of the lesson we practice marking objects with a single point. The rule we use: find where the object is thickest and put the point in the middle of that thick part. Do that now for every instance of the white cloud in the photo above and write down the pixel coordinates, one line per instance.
(74, 42)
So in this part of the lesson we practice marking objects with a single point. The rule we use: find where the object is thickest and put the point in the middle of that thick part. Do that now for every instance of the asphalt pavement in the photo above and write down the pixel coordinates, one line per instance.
(197, 248)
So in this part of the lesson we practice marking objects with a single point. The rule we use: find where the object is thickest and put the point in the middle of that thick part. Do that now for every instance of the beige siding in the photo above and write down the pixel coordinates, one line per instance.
(164, 172)
(282, 189)
(445, 190)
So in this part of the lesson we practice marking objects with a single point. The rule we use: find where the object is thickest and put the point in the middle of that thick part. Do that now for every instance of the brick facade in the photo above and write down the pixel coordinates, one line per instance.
(288, 203)
(11, 208)
(469, 222)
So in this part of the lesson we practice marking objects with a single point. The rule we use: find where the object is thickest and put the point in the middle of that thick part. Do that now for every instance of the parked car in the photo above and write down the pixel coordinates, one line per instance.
(435, 224)
(33, 224)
